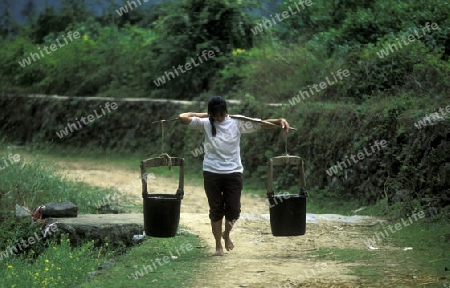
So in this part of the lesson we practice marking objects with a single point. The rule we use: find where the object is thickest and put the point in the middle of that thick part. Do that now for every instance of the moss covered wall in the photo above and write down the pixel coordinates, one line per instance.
(413, 167)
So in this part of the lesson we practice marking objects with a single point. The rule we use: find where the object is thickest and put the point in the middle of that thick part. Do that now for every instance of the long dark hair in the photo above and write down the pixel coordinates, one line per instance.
(216, 105)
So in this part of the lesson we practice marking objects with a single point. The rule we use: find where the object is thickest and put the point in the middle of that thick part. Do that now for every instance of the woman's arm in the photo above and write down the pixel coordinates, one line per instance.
(186, 118)
(281, 122)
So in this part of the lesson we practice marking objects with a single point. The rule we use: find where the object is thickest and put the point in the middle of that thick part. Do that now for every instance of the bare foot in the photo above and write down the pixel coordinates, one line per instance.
(228, 243)
(219, 251)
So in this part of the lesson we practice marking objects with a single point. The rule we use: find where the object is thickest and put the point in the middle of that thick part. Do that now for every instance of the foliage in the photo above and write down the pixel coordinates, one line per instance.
(123, 56)
(119, 55)
(35, 181)
(59, 265)
(276, 74)
(202, 25)
(427, 239)
(409, 168)
(178, 272)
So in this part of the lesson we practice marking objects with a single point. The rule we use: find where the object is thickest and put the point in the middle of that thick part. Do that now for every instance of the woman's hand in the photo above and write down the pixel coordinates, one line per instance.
(285, 125)
(282, 122)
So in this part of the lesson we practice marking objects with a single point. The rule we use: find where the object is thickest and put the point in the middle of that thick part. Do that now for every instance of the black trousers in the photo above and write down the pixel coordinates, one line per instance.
(224, 195)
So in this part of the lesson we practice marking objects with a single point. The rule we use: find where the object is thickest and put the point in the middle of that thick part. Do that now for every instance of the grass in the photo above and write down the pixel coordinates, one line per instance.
(129, 161)
(129, 270)
(422, 266)
(318, 204)
(58, 266)
(34, 181)
(52, 262)
(429, 237)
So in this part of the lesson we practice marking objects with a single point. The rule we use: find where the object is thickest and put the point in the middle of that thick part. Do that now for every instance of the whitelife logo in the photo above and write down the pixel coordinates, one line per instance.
(90, 118)
(433, 116)
(52, 228)
(185, 248)
(285, 14)
(322, 86)
(162, 80)
(206, 146)
(12, 159)
(27, 61)
(361, 156)
(411, 38)
(124, 9)
(369, 242)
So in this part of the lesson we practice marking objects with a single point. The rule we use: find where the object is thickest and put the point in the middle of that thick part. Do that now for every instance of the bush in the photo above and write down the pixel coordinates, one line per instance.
(58, 266)
(34, 182)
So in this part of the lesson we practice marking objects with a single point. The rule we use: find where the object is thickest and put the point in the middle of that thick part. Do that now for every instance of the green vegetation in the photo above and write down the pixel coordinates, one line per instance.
(58, 266)
(396, 54)
(169, 272)
(35, 181)
(122, 56)
(388, 88)
(429, 254)
(53, 261)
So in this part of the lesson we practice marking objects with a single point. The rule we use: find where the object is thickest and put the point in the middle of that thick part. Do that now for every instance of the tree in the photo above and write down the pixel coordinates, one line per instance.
(28, 10)
(187, 29)
(8, 27)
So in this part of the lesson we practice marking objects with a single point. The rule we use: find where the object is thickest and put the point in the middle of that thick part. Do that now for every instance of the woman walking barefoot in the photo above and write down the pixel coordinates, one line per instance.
(222, 167)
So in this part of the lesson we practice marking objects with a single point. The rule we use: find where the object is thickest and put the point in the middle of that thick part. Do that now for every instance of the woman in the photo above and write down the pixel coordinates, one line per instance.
(222, 167)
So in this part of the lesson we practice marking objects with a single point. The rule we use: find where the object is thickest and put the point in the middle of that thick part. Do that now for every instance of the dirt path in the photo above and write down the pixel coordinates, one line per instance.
(259, 259)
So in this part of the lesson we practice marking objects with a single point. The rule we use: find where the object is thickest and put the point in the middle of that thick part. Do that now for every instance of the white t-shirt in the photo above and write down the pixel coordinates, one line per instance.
(222, 152)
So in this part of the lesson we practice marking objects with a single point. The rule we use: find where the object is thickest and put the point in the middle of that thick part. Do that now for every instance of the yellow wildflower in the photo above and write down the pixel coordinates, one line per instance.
(46, 261)
(10, 267)
(238, 51)
(85, 37)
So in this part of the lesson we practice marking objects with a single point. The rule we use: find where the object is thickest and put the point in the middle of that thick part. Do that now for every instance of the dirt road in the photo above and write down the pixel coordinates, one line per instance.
(259, 259)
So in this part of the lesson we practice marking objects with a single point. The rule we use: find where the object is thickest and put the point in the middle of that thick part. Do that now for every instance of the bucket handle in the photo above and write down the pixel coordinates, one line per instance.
(285, 160)
(163, 161)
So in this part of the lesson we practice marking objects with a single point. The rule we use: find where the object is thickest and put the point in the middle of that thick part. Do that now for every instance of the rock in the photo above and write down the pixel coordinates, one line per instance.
(60, 209)
(111, 209)
(111, 228)
(182, 231)
(106, 265)
(137, 239)
(22, 211)
(92, 274)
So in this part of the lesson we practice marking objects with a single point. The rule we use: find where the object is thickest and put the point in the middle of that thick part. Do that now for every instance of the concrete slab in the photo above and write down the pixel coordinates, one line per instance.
(117, 228)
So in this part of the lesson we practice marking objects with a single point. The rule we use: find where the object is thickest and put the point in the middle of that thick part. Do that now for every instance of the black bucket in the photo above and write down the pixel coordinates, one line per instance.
(287, 211)
(162, 211)
(161, 215)
(287, 215)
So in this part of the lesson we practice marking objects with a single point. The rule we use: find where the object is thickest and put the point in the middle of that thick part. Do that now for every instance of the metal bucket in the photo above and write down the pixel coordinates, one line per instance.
(162, 211)
(161, 215)
(287, 211)
(287, 215)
